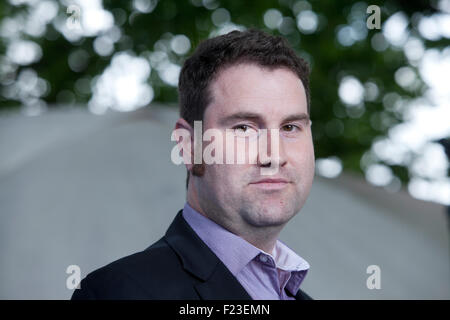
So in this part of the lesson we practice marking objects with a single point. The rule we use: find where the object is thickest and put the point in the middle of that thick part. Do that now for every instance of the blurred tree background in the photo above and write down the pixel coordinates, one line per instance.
(379, 102)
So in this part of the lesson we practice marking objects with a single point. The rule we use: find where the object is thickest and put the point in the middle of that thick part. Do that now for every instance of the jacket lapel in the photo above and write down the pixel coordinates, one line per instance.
(302, 296)
(216, 281)
(221, 285)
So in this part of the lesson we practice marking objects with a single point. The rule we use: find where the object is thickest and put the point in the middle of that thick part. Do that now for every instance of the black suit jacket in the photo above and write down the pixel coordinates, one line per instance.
(178, 266)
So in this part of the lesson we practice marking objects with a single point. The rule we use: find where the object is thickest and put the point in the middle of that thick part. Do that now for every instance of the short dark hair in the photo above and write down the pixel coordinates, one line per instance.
(215, 54)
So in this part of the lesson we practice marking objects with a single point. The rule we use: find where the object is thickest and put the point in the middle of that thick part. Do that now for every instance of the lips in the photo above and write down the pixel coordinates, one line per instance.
(270, 184)
(268, 180)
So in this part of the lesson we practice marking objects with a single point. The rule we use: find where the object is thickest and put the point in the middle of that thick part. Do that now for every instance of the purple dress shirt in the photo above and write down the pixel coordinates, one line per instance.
(264, 276)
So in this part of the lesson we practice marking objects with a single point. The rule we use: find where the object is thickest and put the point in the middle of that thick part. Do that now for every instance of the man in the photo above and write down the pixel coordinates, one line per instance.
(224, 243)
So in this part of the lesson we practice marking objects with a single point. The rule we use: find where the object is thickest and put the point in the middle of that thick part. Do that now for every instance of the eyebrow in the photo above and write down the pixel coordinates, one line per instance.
(256, 117)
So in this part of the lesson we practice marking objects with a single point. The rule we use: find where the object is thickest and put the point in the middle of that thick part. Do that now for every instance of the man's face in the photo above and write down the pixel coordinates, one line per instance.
(249, 97)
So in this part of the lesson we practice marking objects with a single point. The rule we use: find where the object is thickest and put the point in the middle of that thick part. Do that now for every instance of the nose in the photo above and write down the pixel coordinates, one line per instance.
(271, 152)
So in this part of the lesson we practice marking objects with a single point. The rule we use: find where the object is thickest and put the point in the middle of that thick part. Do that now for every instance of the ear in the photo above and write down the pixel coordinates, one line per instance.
(183, 134)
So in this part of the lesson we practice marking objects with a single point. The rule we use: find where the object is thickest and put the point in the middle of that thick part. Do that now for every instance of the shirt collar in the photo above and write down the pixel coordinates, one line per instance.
(231, 249)
(235, 252)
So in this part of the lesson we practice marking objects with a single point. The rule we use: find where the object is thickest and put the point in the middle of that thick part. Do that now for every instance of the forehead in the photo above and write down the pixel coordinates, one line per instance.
(251, 88)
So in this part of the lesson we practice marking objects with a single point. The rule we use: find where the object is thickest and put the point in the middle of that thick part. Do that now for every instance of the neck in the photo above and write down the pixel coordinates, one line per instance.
(263, 241)
(263, 238)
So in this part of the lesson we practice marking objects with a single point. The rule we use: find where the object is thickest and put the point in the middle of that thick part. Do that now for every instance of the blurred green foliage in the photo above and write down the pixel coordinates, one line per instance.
(336, 133)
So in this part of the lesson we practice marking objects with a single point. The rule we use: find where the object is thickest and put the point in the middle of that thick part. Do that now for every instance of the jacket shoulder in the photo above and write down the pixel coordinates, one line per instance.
(142, 275)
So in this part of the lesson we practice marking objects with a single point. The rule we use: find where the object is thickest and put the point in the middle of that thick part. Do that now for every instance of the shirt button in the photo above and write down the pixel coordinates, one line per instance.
(262, 258)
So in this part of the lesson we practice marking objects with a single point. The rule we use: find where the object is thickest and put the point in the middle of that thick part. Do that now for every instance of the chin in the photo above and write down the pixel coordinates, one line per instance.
(269, 216)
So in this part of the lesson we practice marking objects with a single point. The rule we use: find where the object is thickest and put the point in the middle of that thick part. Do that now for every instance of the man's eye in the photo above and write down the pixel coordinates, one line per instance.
(290, 128)
(244, 130)
(241, 128)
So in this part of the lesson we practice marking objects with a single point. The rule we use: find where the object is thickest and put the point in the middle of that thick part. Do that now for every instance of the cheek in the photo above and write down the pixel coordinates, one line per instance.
(303, 159)
(230, 178)
(223, 184)
(220, 175)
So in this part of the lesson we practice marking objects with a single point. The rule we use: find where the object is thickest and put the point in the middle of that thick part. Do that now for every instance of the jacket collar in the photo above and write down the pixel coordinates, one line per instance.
(217, 282)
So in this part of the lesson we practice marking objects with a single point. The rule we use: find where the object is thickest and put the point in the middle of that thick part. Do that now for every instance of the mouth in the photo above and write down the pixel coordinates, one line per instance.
(270, 184)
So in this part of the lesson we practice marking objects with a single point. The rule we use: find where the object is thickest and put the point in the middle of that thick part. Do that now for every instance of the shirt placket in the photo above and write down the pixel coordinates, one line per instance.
(283, 278)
